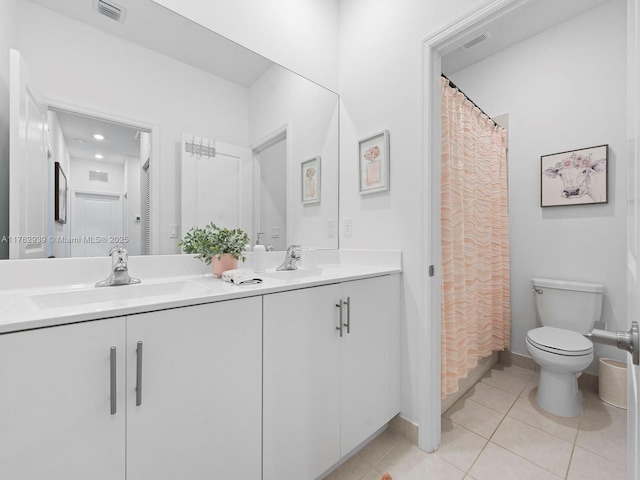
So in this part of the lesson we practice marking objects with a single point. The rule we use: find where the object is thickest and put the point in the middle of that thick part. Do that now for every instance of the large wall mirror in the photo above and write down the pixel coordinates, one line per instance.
(131, 124)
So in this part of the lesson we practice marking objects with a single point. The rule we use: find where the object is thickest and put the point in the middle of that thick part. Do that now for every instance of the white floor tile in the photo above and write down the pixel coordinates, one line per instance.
(512, 379)
(589, 466)
(497, 463)
(541, 448)
(407, 462)
(459, 446)
(527, 411)
(380, 446)
(603, 430)
(492, 397)
(352, 469)
(477, 418)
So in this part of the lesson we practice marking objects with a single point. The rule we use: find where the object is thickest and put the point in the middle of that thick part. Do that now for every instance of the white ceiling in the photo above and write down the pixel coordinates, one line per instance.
(529, 20)
(155, 27)
(118, 144)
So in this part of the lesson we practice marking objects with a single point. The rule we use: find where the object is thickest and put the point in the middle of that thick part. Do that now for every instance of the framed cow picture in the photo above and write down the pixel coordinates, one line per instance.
(575, 177)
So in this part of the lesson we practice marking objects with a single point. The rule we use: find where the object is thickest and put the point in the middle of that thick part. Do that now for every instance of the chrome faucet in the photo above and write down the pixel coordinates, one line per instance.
(119, 273)
(291, 258)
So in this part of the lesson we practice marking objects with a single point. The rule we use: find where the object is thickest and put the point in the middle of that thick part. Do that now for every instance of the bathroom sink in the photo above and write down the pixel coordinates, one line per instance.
(117, 295)
(292, 274)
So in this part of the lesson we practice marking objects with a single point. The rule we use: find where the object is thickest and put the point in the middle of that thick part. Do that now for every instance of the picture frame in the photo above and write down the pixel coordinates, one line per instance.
(575, 177)
(310, 175)
(373, 163)
(60, 194)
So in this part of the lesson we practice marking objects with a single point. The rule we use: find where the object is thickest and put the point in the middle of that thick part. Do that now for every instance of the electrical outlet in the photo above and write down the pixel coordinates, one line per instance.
(173, 231)
(331, 228)
(348, 227)
(275, 232)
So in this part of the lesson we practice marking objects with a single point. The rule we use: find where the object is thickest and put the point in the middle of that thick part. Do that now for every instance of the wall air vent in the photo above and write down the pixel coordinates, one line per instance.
(474, 42)
(111, 10)
(96, 176)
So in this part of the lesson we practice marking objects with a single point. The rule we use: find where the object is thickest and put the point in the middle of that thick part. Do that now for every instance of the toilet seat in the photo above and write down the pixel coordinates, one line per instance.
(559, 341)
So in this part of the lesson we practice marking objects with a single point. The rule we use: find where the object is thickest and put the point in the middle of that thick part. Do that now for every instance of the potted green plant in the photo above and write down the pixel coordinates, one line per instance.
(221, 247)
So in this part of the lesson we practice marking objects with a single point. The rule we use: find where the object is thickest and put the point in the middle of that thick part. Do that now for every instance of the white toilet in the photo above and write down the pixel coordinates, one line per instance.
(567, 311)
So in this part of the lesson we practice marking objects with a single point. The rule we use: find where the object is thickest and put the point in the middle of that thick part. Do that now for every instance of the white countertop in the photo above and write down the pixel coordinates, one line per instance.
(28, 308)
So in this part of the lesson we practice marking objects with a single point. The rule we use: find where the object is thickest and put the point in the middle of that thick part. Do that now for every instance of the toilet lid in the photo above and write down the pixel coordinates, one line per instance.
(560, 341)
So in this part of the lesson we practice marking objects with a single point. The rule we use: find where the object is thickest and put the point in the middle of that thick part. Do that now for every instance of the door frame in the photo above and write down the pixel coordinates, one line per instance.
(429, 356)
(154, 158)
(256, 148)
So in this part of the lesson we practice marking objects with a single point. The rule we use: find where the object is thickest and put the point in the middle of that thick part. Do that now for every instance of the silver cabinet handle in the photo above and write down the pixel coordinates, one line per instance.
(539, 291)
(347, 302)
(139, 375)
(339, 305)
(112, 376)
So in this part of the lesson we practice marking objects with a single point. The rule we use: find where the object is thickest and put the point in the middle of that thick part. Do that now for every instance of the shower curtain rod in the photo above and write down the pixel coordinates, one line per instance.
(453, 85)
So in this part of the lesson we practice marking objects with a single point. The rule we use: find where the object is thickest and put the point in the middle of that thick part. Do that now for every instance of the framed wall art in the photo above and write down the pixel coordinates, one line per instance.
(373, 163)
(310, 180)
(575, 177)
(60, 206)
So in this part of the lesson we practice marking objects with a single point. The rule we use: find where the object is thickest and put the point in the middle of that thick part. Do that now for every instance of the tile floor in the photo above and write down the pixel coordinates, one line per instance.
(496, 431)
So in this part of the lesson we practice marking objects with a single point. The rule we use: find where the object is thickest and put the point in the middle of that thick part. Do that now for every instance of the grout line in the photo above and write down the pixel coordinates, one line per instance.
(573, 449)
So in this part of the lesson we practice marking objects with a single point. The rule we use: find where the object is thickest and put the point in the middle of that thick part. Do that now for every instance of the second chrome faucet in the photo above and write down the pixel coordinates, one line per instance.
(291, 258)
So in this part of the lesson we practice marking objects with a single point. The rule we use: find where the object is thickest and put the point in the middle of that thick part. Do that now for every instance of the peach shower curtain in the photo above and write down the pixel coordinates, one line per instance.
(475, 311)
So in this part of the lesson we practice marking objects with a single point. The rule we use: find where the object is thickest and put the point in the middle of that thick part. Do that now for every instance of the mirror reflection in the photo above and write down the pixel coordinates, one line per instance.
(158, 125)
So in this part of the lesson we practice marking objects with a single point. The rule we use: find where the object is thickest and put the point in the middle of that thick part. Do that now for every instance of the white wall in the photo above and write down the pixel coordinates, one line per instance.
(380, 65)
(60, 152)
(8, 39)
(277, 99)
(301, 35)
(79, 176)
(563, 89)
(80, 65)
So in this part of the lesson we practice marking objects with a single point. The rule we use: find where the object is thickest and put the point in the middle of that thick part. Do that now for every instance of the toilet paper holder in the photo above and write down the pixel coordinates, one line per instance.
(629, 341)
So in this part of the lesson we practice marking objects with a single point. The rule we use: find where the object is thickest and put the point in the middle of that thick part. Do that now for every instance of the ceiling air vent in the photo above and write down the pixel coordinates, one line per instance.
(474, 42)
(97, 176)
(111, 10)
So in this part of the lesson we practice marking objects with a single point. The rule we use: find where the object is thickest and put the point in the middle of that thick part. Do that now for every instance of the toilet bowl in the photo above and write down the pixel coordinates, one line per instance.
(562, 356)
(567, 311)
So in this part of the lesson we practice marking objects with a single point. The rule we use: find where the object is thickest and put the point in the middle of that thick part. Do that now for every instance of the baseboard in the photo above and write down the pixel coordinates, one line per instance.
(404, 427)
(464, 384)
(510, 358)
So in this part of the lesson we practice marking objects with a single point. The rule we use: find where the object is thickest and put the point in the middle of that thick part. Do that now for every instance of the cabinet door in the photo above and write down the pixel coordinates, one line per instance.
(55, 403)
(301, 436)
(365, 380)
(200, 412)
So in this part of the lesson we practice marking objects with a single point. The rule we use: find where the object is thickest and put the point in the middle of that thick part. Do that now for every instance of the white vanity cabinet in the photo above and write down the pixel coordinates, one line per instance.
(199, 413)
(325, 393)
(57, 420)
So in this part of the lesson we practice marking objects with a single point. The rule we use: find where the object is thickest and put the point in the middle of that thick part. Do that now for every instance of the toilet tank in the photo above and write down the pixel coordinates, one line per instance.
(565, 304)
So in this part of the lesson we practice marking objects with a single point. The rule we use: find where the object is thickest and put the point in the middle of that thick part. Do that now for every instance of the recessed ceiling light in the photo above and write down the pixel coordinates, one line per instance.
(98, 156)
(97, 136)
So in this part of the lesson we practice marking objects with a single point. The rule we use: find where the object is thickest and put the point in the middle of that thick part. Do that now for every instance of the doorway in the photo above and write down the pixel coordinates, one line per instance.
(271, 180)
(436, 47)
(106, 167)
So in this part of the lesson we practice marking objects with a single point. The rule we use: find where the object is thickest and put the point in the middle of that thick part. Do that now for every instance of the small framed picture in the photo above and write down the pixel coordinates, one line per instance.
(575, 177)
(61, 194)
(373, 163)
(310, 180)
